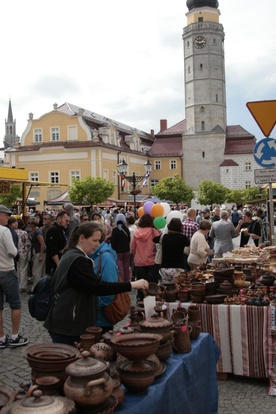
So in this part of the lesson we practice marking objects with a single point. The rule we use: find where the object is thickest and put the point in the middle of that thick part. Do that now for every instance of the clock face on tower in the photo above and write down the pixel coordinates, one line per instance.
(200, 42)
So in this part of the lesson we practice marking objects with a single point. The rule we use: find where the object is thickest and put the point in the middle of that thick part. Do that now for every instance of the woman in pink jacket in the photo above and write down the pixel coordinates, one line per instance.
(143, 249)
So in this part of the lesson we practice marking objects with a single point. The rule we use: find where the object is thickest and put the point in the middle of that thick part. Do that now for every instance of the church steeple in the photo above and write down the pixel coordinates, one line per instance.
(10, 138)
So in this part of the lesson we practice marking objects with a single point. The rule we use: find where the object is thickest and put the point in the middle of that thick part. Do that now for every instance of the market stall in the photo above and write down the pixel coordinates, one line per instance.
(188, 385)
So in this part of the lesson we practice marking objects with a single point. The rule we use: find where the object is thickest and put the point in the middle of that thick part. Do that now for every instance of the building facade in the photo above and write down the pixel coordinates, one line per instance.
(70, 142)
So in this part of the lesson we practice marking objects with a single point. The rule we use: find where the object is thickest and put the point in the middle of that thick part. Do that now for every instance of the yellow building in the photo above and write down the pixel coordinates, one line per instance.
(71, 142)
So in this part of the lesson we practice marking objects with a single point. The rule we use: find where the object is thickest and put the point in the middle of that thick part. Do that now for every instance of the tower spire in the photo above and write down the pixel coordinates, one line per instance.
(10, 138)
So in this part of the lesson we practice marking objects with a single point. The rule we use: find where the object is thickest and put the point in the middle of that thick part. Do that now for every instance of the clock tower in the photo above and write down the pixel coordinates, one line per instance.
(205, 97)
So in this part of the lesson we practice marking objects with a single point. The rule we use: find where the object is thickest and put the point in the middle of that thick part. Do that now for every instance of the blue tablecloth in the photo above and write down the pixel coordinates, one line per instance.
(188, 386)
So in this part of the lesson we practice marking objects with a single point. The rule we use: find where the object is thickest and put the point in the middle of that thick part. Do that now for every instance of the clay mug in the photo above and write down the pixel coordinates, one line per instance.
(96, 331)
(193, 313)
(87, 340)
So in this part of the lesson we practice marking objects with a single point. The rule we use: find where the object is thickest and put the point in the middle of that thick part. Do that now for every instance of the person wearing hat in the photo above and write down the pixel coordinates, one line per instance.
(120, 242)
(9, 284)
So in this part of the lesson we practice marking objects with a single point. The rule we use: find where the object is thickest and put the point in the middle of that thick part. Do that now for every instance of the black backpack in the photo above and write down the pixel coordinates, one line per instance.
(40, 300)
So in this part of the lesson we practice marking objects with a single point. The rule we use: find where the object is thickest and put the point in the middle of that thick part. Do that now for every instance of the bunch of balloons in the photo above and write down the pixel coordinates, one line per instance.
(161, 212)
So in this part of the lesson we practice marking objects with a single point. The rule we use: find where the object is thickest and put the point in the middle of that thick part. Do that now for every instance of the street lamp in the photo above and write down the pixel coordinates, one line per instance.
(133, 179)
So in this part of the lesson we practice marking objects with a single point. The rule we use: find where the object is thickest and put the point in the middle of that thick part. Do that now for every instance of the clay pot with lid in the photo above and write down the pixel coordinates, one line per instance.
(35, 402)
(267, 279)
(88, 382)
(157, 325)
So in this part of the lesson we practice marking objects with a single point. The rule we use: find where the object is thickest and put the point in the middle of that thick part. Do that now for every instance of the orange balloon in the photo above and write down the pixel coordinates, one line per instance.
(157, 210)
(140, 211)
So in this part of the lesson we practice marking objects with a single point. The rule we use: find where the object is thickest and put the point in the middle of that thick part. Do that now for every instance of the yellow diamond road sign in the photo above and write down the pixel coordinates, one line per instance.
(264, 113)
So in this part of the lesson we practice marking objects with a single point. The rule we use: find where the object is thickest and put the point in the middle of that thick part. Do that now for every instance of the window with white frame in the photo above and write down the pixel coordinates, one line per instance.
(55, 133)
(105, 174)
(115, 177)
(33, 176)
(153, 183)
(247, 184)
(72, 133)
(158, 165)
(173, 164)
(54, 177)
(248, 166)
(38, 135)
(75, 175)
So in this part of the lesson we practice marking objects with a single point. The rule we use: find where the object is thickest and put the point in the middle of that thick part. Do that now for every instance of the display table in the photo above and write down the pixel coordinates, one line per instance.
(188, 386)
(243, 334)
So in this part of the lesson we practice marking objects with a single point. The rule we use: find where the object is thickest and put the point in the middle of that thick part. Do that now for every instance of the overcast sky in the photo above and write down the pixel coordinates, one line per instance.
(124, 59)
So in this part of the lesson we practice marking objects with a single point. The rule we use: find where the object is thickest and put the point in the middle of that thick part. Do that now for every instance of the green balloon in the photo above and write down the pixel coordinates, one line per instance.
(159, 222)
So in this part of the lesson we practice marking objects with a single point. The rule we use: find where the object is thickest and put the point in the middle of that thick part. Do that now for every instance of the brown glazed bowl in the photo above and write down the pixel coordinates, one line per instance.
(136, 346)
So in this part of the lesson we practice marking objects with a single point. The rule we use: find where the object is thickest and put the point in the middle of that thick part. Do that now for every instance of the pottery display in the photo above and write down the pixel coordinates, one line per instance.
(51, 359)
(164, 351)
(86, 341)
(47, 384)
(96, 331)
(136, 346)
(215, 299)
(136, 377)
(170, 292)
(35, 402)
(267, 279)
(157, 325)
(193, 313)
(102, 351)
(181, 339)
(88, 383)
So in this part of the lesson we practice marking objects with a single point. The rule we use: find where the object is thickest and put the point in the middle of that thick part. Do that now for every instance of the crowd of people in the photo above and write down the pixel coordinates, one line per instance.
(70, 245)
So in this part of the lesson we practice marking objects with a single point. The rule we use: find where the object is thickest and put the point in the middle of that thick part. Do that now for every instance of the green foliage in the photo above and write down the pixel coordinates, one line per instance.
(91, 190)
(173, 189)
(9, 200)
(236, 197)
(211, 193)
(254, 193)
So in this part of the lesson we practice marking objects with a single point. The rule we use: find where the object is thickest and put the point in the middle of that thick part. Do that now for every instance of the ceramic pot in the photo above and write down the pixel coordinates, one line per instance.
(170, 292)
(138, 376)
(157, 325)
(164, 351)
(35, 403)
(102, 351)
(267, 279)
(193, 313)
(86, 341)
(96, 331)
(88, 382)
(181, 340)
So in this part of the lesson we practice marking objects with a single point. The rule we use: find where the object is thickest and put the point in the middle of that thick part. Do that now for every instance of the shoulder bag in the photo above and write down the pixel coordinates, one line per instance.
(118, 309)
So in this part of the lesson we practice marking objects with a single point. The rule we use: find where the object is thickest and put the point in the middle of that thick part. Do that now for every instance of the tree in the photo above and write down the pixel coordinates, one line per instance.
(174, 189)
(236, 197)
(91, 190)
(211, 193)
(15, 193)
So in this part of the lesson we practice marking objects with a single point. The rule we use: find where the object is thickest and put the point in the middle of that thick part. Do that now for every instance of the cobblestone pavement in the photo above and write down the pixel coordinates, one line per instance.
(236, 395)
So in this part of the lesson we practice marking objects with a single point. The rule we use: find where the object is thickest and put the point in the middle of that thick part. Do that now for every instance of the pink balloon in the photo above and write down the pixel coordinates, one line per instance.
(148, 206)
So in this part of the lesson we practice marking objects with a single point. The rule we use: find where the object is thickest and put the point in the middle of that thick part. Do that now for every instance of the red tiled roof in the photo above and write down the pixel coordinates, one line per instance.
(229, 163)
(167, 146)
